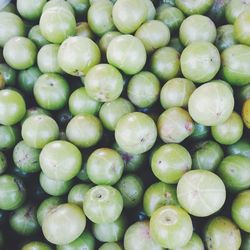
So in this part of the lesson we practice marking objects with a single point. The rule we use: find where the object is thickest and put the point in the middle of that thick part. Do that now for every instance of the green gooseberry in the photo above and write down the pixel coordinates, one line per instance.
(154, 34)
(106, 39)
(135, 133)
(59, 3)
(38, 130)
(234, 170)
(169, 223)
(201, 192)
(77, 193)
(105, 166)
(7, 75)
(176, 44)
(83, 29)
(241, 147)
(36, 36)
(127, 53)
(151, 11)
(77, 55)
(3, 163)
(26, 157)
(158, 195)
(192, 30)
(207, 155)
(143, 89)
(200, 132)
(169, 162)
(111, 112)
(77, 127)
(12, 192)
(200, 61)
(175, 125)
(36, 245)
(110, 246)
(211, 104)
(12, 107)
(103, 204)
(57, 220)
(221, 233)
(134, 13)
(104, 83)
(60, 160)
(20, 53)
(80, 7)
(9, 137)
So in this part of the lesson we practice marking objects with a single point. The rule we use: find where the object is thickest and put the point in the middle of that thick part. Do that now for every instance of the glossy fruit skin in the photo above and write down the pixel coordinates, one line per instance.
(58, 3)
(200, 62)
(54, 187)
(27, 79)
(246, 113)
(80, 6)
(235, 65)
(137, 237)
(157, 195)
(234, 170)
(60, 160)
(57, 24)
(242, 147)
(131, 188)
(24, 54)
(175, 125)
(36, 245)
(47, 205)
(200, 132)
(9, 136)
(104, 83)
(51, 91)
(230, 131)
(36, 36)
(221, 233)
(77, 193)
(143, 89)
(106, 39)
(190, 7)
(131, 137)
(127, 53)
(12, 192)
(207, 155)
(192, 30)
(26, 158)
(165, 63)
(165, 13)
(134, 14)
(58, 219)
(176, 93)
(11, 26)
(103, 204)
(84, 241)
(208, 108)
(240, 210)
(12, 107)
(154, 34)
(194, 192)
(110, 246)
(170, 162)
(234, 8)
(81, 103)
(24, 220)
(83, 29)
(83, 123)
(169, 223)
(79, 63)
(7, 75)
(111, 112)
(29, 9)
(110, 232)
(100, 17)
(195, 243)
(38, 130)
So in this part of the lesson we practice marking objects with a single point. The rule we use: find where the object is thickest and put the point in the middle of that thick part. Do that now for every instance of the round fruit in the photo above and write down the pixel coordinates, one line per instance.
(194, 244)
(36, 36)
(77, 194)
(246, 113)
(9, 137)
(36, 245)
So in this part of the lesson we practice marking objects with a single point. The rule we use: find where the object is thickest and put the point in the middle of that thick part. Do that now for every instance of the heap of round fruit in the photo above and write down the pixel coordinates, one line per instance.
(124, 124)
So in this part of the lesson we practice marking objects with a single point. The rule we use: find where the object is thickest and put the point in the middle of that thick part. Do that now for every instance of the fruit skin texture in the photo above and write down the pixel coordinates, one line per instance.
(234, 170)
(36, 245)
(170, 162)
(246, 113)
(135, 133)
(56, 227)
(169, 223)
(137, 237)
(241, 210)
(221, 233)
(201, 192)
(236, 65)
(127, 53)
(211, 104)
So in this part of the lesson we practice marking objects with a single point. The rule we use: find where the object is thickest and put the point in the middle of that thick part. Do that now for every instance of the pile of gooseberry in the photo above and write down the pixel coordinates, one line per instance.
(124, 124)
